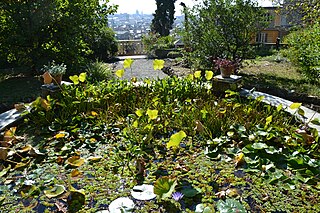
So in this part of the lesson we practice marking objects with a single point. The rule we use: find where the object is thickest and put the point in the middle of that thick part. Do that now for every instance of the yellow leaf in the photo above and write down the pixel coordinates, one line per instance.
(295, 105)
(119, 73)
(47, 79)
(82, 77)
(75, 173)
(135, 124)
(197, 74)
(74, 79)
(158, 64)
(190, 77)
(268, 120)
(239, 159)
(209, 75)
(139, 112)
(75, 161)
(175, 139)
(59, 135)
(93, 113)
(153, 114)
(127, 63)
(45, 104)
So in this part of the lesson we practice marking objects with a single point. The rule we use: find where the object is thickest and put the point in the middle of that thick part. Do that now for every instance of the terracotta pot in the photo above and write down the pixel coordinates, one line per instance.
(226, 71)
(57, 79)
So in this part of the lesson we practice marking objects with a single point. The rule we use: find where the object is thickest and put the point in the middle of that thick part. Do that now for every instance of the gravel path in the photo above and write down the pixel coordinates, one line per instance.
(140, 68)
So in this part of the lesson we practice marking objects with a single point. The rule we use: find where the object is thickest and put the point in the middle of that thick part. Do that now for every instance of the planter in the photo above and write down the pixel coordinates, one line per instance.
(57, 79)
(226, 71)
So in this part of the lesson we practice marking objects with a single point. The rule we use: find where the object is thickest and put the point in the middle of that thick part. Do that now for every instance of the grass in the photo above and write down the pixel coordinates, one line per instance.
(266, 73)
(17, 85)
(88, 141)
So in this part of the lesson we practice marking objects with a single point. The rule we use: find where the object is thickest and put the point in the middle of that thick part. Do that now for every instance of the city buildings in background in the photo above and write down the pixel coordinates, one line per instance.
(134, 26)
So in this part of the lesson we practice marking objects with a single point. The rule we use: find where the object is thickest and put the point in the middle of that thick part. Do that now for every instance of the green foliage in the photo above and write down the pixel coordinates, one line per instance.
(103, 44)
(164, 187)
(224, 29)
(304, 50)
(35, 32)
(163, 17)
(153, 42)
(98, 71)
(230, 206)
(298, 12)
(55, 69)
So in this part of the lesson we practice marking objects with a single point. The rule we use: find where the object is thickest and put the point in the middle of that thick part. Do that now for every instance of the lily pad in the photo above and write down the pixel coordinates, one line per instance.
(75, 161)
(121, 205)
(143, 192)
(55, 191)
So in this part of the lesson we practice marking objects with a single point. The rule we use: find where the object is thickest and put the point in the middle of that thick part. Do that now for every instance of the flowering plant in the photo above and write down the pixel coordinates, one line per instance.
(55, 69)
(223, 63)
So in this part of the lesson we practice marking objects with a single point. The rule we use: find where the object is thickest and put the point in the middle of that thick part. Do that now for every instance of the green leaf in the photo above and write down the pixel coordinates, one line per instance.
(295, 105)
(175, 139)
(74, 79)
(209, 75)
(5, 171)
(153, 114)
(158, 64)
(191, 192)
(230, 205)
(197, 74)
(259, 146)
(76, 199)
(55, 191)
(127, 63)
(279, 107)
(82, 77)
(268, 120)
(119, 73)
(316, 121)
(164, 187)
(301, 112)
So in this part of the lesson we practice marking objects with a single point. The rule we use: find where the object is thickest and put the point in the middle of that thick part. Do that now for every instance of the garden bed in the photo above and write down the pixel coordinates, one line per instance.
(79, 152)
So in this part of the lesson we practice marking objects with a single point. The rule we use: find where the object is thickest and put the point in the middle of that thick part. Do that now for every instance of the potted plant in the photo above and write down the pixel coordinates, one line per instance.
(53, 72)
(225, 66)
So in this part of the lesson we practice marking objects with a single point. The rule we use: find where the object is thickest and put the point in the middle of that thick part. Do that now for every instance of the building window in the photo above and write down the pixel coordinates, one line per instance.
(261, 38)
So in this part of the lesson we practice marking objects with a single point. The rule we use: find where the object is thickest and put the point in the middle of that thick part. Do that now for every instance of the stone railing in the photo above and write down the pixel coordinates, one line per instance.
(131, 47)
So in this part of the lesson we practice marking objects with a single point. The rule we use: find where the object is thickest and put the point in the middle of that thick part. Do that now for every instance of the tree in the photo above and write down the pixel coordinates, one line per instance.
(163, 17)
(300, 12)
(222, 28)
(33, 32)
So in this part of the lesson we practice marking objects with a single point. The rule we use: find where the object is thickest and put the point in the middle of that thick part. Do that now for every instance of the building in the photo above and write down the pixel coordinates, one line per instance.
(278, 27)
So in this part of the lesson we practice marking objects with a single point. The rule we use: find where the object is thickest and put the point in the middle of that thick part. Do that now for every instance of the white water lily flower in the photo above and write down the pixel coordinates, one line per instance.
(143, 192)
(121, 205)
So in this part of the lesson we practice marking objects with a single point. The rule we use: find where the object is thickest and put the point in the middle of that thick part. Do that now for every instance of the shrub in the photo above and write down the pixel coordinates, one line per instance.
(153, 42)
(104, 44)
(219, 28)
(99, 71)
(304, 50)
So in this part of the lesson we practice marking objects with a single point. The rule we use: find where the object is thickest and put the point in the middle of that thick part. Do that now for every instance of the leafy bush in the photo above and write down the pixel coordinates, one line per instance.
(219, 28)
(304, 50)
(104, 44)
(99, 71)
(153, 42)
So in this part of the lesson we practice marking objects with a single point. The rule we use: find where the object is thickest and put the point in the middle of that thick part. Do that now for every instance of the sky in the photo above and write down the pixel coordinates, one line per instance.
(149, 6)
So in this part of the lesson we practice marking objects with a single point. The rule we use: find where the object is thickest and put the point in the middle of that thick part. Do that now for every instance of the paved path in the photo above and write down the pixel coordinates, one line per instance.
(141, 68)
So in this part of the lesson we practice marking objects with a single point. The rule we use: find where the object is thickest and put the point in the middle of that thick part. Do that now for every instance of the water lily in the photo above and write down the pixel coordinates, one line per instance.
(177, 196)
